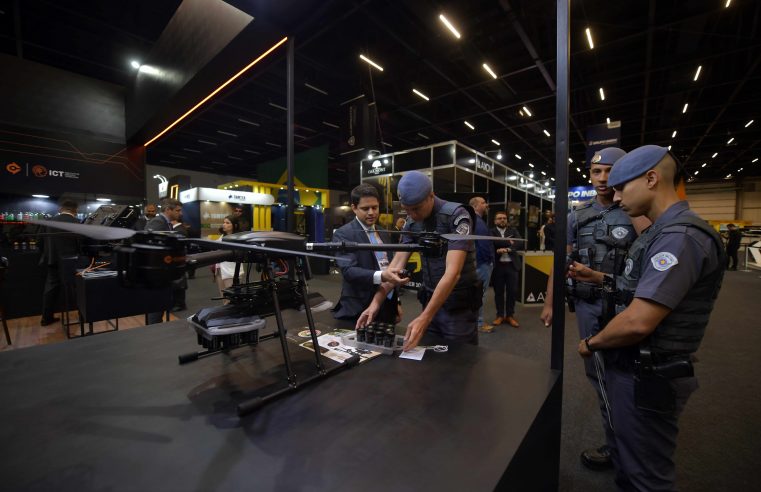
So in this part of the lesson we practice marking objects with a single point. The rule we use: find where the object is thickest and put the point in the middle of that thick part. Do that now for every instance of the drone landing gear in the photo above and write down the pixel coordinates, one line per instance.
(249, 304)
(253, 404)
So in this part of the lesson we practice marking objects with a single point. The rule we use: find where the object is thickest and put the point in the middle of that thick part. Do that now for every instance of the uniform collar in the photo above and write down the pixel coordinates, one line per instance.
(673, 211)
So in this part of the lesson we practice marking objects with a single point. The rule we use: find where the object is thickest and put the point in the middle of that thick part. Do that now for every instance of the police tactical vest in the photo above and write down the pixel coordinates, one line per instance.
(600, 234)
(683, 329)
(434, 267)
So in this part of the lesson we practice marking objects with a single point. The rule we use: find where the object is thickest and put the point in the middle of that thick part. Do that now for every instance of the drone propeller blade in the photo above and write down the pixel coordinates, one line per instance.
(254, 247)
(459, 237)
(101, 233)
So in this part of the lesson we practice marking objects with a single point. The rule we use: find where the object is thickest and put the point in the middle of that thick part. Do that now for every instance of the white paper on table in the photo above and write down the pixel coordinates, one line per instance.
(416, 353)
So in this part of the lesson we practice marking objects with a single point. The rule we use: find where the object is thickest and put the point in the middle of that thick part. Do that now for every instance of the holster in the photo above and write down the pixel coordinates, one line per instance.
(652, 389)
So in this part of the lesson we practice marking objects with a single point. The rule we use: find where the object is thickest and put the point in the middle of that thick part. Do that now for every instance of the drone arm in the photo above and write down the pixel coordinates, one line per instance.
(352, 246)
(210, 258)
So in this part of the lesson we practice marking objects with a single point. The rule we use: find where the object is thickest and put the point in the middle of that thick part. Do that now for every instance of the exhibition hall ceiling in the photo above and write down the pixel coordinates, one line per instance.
(482, 72)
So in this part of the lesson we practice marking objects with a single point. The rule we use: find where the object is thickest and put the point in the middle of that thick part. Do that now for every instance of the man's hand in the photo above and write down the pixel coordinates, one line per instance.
(415, 331)
(391, 275)
(546, 315)
(583, 273)
(583, 350)
(502, 251)
(368, 315)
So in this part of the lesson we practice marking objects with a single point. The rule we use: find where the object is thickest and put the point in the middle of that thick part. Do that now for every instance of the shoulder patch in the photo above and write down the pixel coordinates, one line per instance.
(461, 217)
(663, 261)
(463, 228)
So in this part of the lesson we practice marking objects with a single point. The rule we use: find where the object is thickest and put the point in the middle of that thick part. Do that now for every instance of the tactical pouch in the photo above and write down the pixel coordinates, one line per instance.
(653, 393)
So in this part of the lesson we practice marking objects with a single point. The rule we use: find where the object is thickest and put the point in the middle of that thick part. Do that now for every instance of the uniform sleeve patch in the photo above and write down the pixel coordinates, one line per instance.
(663, 261)
(460, 218)
(620, 232)
(463, 228)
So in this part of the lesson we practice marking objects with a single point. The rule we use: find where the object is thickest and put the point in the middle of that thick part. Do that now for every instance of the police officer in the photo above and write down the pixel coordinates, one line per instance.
(451, 293)
(598, 234)
(665, 295)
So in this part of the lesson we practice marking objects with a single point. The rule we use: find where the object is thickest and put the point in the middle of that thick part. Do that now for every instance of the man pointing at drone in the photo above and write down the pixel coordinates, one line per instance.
(451, 294)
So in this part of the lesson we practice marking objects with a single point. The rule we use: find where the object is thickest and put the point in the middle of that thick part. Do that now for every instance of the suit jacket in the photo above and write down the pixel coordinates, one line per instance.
(517, 262)
(54, 247)
(358, 289)
(158, 223)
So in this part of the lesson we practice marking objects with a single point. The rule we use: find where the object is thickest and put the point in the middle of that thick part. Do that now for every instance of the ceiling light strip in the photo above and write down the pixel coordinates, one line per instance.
(215, 91)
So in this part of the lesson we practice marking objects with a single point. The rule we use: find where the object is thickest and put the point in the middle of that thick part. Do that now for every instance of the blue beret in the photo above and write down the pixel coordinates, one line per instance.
(636, 163)
(607, 156)
(413, 188)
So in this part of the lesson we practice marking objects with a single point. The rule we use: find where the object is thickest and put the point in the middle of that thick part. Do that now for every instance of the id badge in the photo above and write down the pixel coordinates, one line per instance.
(383, 263)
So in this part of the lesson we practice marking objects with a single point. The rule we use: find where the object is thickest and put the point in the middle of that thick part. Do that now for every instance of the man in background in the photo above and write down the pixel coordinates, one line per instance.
(484, 255)
(150, 213)
(245, 223)
(733, 245)
(171, 213)
(507, 269)
(53, 249)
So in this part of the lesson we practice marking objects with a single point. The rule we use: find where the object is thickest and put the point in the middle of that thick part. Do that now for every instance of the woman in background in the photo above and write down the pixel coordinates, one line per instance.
(225, 270)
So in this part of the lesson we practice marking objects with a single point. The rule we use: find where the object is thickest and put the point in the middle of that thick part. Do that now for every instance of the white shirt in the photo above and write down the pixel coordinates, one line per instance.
(382, 263)
(504, 257)
(226, 269)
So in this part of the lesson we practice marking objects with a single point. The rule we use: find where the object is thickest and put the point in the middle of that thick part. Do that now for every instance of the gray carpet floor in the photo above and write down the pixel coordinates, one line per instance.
(720, 429)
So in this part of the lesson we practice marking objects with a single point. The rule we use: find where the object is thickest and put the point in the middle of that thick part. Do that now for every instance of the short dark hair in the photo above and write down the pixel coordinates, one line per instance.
(68, 205)
(502, 212)
(170, 203)
(363, 190)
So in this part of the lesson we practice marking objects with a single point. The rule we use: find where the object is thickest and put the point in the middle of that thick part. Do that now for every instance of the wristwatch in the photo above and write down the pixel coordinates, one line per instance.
(586, 342)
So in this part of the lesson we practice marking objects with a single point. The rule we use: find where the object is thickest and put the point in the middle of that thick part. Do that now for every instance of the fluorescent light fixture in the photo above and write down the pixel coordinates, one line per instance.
(607, 120)
(714, 155)
(530, 165)
(740, 170)
(520, 112)
(578, 170)
(730, 140)
(531, 175)
(544, 174)
(283, 108)
(494, 142)
(469, 125)
(222, 132)
(421, 94)
(518, 156)
(570, 160)
(252, 152)
(370, 62)
(726, 5)
(546, 133)
(41, 196)
(602, 94)
(697, 73)
(471, 161)
(449, 25)
(704, 164)
(552, 179)
(754, 160)
(584, 176)
(135, 64)
(316, 89)
(423, 136)
(684, 109)
(488, 69)
(273, 144)
(525, 110)
(697, 172)
(385, 161)
(673, 135)
(330, 124)
(206, 142)
(748, 123)
(512, 177)
(215, 91)
(248, 122)
(589, 39)
(727, 176)
(103, 199)
(191, 150)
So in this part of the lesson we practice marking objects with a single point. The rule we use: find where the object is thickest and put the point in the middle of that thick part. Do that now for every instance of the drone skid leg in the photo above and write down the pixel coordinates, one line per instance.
(308, 311)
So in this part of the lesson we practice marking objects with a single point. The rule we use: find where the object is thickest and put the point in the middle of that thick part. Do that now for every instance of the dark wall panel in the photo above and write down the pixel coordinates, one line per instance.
(46, 98)
(196, 34)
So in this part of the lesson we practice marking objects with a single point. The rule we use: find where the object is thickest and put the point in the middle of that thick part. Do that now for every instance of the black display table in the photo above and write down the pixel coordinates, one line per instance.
(117, 412)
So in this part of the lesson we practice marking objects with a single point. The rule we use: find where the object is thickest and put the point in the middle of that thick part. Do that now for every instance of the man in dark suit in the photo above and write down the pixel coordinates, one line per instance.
(53, 249)
(171, 213)
(507, 269)
(150, 213)
(363, 271)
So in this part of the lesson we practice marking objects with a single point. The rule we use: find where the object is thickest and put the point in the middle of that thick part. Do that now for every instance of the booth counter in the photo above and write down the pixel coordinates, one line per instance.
(534, 274)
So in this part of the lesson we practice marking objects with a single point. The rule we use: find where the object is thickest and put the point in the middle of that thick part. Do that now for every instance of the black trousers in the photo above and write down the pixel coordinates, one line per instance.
(505, 281)
(732, 258)
(51, 293)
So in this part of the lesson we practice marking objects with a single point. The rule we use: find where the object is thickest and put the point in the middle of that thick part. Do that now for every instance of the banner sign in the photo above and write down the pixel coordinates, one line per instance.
(601, 136)
(581, 193)
(217, 195)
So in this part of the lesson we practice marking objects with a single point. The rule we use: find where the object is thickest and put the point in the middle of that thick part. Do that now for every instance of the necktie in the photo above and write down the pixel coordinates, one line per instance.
(379, 255)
